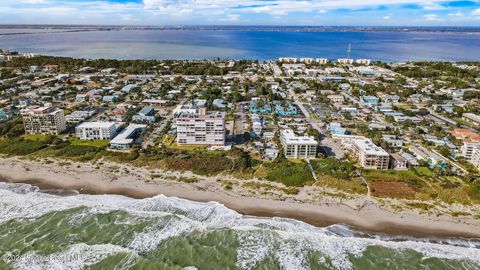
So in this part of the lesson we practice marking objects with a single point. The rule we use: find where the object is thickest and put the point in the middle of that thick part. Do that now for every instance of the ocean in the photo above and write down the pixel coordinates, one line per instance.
(45, 231)
(226, 43)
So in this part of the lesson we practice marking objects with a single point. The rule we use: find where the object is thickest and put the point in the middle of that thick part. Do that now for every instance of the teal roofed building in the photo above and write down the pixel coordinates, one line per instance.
(3, 115)
(285, 109)
(258, 105)
(371, 100)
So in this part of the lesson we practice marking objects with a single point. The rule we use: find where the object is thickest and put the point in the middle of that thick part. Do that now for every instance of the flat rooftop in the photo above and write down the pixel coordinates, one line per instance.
(369, 148)
(201, 116)
(96, 125)
(291, 138)
(125, 136)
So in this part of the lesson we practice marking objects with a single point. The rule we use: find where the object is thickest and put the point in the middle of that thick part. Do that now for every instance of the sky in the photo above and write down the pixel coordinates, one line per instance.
(246, 12)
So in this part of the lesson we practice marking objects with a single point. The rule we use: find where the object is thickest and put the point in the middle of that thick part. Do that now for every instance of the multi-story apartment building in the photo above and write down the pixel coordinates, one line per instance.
(470, 139)
(96, 131)
(345, 61)
(298, 146)
(128, 136)
(472, 118)
(363, 61)
(43, 120)
(201, 129)
(475, 160)
(369, 155)
(321, 61)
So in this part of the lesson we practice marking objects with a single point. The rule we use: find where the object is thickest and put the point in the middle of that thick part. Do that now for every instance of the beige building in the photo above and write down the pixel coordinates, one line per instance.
(298, 146)
(43, 120)
(336, 98)
(369, 155)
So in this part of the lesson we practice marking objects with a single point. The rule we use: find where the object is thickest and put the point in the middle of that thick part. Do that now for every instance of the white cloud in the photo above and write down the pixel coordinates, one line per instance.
(155, 11)
(432, 18)
(456, 14)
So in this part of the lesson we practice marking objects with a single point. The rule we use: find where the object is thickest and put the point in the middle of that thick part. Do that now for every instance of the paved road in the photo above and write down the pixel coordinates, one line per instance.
(327, 144)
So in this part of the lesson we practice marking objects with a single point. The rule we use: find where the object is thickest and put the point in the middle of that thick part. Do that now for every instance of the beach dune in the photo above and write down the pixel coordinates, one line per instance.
(362, 213)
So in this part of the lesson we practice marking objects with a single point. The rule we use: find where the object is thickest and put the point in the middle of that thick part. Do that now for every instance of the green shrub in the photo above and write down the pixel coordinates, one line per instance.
(20, 147)
(290, 174)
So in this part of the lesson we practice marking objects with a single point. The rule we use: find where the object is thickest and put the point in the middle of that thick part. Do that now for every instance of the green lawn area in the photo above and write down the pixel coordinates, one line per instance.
(186, 147)
(288, 173)
(36, 137)
(94, 143)
(169, 141)
(423, 171)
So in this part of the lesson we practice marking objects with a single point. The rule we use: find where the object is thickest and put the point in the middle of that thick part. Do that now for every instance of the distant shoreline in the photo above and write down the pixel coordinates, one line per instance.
(370, 217)
(282, 28)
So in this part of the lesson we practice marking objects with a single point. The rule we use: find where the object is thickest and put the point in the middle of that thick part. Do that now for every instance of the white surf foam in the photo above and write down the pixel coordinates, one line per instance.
(285, 239)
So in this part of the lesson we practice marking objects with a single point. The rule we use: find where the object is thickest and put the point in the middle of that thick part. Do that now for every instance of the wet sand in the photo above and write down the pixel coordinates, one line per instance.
(368, 218)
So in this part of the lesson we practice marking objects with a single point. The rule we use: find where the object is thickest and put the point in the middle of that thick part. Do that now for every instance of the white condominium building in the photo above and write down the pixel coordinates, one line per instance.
(369, 155)
(321, 61)
(43, 120)
(96, 131)
(287, 59)
(468, 148)
(201, 129)
(472, 118)
(127, 137)
(345, 61)
(298, 146)
(363, 61)
(476, 158)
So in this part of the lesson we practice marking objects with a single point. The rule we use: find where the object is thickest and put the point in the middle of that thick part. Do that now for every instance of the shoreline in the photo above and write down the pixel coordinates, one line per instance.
(367, 217)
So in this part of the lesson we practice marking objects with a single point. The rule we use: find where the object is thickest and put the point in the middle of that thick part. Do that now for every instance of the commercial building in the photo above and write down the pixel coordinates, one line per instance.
(369, 155)
(43, 120)
(127, 137)
(96, 131)
(298, 146)
(201, 129)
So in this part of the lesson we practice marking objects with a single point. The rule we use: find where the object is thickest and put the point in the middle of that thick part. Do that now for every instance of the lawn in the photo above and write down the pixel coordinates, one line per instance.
(37, 137)
(93, 143)
(423, 171)
(20, 148)
(290, 174)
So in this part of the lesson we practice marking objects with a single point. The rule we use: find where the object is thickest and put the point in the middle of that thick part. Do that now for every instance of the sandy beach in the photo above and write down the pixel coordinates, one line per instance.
(361, 212)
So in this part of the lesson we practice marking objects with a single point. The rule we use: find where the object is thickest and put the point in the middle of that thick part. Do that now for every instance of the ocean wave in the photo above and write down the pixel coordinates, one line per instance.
(76, 257)
(288, 241)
